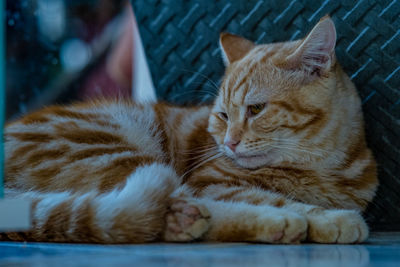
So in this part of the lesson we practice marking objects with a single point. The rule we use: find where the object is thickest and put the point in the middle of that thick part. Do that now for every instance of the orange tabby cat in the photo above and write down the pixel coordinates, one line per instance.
(280, 157)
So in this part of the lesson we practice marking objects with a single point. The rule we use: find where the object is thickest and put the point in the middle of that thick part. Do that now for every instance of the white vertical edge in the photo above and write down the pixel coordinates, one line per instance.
(142, 84)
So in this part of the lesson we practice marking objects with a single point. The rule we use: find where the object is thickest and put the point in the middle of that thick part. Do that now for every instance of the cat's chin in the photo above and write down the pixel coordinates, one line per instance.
(252, 161)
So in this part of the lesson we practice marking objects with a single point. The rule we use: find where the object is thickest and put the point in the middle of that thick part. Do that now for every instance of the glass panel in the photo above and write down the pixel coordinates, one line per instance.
(2, 95)
(57, 51)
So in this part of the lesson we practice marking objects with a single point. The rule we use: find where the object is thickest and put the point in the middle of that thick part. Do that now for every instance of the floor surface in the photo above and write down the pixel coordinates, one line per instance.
(382, 249)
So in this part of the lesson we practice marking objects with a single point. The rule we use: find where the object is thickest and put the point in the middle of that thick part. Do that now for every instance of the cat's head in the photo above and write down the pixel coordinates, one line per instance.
(274, 98)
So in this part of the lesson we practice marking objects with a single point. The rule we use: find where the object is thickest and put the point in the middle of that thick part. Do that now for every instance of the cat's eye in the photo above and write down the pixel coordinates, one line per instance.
(223, 116)
(253, 110)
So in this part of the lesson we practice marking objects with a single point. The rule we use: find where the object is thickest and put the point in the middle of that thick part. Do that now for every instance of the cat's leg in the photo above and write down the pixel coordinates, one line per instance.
(332, 225)
(243, 222)
(189, 219)
(324, 225)
(133, 214)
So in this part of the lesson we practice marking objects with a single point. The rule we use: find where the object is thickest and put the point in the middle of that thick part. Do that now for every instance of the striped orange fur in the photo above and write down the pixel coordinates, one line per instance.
(280, 157)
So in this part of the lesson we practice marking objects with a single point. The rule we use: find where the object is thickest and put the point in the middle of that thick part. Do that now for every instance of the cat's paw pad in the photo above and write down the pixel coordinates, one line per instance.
(337, 226)
(186, 221)
(288, 227)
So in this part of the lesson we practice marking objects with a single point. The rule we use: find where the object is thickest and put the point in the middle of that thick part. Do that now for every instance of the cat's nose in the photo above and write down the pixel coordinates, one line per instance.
(232, 144)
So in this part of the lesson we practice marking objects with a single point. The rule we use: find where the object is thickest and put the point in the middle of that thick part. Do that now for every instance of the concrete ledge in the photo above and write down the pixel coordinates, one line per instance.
(15, 214)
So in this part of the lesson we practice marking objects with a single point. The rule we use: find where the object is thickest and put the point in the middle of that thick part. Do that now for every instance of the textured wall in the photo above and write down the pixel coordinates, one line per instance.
(181, 42)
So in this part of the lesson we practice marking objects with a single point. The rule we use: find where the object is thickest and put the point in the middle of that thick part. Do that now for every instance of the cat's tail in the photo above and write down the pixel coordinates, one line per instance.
(133, 214)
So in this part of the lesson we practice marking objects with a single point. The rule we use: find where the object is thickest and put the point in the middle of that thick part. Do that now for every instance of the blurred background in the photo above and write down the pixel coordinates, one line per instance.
(60, 51)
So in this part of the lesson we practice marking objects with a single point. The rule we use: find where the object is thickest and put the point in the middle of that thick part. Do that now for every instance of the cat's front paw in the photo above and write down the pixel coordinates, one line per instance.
(186, 221)
(286, 227)
(337, 226)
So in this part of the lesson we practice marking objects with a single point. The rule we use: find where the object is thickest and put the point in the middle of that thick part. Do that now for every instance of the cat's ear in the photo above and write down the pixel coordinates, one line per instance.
(233, 47)
(315, 54)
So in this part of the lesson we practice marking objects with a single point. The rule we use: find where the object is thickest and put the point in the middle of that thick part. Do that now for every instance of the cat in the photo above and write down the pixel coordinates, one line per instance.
(280, 157)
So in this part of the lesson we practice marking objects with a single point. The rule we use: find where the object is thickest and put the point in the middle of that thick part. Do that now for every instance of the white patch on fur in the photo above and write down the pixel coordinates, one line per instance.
(187, 125)
(356, 169)
(76, 204)
(131, 117)
(144, 189)
(258, 53)
(47, 203)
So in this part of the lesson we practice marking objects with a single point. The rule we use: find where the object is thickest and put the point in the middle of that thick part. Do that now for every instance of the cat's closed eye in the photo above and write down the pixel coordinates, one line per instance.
(253, 110)
(223, 116)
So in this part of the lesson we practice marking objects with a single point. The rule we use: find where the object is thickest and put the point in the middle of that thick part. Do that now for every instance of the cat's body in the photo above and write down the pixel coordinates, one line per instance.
(276, 159)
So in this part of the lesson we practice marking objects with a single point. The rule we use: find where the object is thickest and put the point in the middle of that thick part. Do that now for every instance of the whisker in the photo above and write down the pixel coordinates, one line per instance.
(198, 150)
(262, 145)
(301, 145)
(201, 75)
(213, 91)
(199, 92)
(297, 149)
(200, 157)
(288, 145)
(219, 154)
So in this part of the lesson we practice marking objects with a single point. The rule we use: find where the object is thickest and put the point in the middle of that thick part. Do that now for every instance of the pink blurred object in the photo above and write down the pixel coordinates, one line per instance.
(113, 78)
(100, 84)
